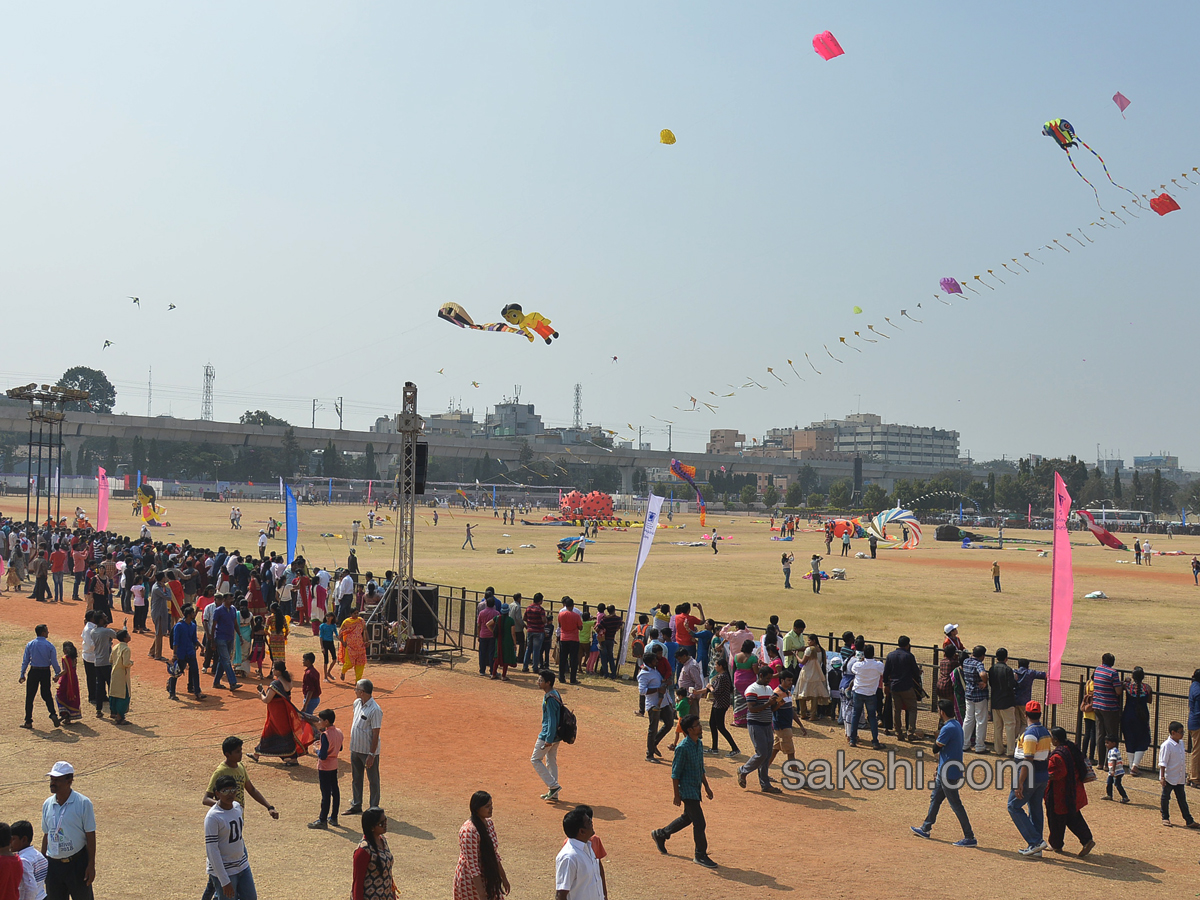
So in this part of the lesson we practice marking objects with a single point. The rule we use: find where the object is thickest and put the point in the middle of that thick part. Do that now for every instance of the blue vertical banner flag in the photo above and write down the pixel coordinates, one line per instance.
(330, 490)
(292, 524)
(1183, 515)
(493, 496)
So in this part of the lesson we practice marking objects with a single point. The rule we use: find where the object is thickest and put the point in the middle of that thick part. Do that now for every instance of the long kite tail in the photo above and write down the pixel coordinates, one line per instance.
(1106, 172)
(1081, 175)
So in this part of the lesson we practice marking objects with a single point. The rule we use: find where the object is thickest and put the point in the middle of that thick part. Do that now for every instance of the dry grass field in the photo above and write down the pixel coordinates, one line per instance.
(448, 733)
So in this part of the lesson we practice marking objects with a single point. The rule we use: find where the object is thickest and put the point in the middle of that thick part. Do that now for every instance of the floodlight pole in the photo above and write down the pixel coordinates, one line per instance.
(409, 426)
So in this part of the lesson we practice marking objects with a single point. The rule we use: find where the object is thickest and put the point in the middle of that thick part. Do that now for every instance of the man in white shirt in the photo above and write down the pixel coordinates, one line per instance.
(262, 542)
(224, 845)
(68, 837)
(691, 678)
(576, 869)
(1172, 774)
(658, 706)
(345, 597)
(364, 746)
(33, 864)
(867, 673)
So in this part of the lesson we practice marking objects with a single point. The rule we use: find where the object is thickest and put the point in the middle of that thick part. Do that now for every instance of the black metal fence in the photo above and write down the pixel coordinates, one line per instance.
(458, 607)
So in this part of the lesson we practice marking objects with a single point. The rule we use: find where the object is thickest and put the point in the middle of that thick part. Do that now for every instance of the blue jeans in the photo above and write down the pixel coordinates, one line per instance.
(310, 705)
(1029, 824)
(224, 664)
(608, 665)
(58, 585)
(868, 700)
(940, 793)
(243, 886)
(533, 650)
(487, 652)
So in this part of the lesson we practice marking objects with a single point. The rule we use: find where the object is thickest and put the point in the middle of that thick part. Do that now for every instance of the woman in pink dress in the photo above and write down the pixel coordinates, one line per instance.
(479, 874)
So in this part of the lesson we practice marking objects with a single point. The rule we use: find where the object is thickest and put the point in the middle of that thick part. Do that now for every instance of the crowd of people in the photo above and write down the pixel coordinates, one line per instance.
(225, 614)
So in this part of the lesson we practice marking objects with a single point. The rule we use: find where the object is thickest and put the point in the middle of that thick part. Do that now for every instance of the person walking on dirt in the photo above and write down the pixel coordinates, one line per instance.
(687, 777)
(545, 748)
(468, 540)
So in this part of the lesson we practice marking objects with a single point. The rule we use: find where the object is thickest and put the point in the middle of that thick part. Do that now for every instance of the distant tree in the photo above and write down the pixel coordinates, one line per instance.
(639, 481)
(260, 417)
(81, 378)
(368, 463)
(1012, 494)
(330, 462)
(1137, 488)
(67, 471)
(1156, 492)
(112, 455)
(815, 500)
(1116, 484)
(749, 494)
(839, 494)
(154, 459)
(794, 496)
(991, 491)
(875, 498)
(292, 454)
(808, 479)
(137, 455)
(1191, 495)
(771, 495)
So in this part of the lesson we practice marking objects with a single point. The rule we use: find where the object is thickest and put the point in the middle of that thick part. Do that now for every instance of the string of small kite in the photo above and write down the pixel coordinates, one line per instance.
(1064, 135)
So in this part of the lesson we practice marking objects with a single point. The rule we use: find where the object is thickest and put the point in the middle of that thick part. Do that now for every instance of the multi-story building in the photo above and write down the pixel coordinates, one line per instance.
(513, 420)
(868, 436)
(724, 440)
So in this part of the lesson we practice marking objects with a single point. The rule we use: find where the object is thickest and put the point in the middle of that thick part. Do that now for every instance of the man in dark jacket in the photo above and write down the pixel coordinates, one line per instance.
(901, 675)
(1003, 684)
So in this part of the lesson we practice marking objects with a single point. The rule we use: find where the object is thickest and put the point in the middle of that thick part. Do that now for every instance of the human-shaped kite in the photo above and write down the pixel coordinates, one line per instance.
(528, 323)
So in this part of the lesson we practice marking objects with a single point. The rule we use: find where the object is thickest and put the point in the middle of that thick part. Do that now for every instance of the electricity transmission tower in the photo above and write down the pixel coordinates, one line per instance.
(578, 406)
(206, 403)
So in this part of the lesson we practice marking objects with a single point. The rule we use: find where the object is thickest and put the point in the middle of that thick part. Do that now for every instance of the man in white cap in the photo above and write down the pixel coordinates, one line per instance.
(953, 640)
(68, 838)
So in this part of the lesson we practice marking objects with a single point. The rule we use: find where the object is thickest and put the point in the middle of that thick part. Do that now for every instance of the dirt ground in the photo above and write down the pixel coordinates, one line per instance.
(448, 733)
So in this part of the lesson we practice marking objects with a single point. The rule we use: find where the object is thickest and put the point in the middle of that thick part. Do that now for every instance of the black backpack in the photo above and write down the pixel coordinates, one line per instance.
(568, 728)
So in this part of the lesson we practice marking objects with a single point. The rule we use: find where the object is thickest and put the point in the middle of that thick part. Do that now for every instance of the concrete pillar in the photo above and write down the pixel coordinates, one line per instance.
(626, 478)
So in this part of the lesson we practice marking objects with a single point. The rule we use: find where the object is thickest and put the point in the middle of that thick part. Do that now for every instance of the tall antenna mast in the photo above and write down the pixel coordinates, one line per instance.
(578, 406)
(206, 403)
(149, 391)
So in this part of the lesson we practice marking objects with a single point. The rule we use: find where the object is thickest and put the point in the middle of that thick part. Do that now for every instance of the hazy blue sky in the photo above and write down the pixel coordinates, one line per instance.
(309, 182)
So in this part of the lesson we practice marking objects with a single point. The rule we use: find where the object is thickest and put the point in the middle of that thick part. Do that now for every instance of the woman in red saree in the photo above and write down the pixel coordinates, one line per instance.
(285, 733)
(68, 685)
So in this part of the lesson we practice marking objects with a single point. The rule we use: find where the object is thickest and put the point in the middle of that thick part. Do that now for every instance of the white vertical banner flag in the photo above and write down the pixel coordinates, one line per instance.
(281, 498)
(648, 532)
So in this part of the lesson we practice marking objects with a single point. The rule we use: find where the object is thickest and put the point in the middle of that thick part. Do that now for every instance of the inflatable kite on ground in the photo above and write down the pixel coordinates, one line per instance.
(1103, 535)
(951, 286)
(528, 323)
(688, 474)
(897, 519)
(152, 513)
(568, 548)
(666, 136)
(1064, 135)
(827, 46)
(1163, 204)
(456, 315)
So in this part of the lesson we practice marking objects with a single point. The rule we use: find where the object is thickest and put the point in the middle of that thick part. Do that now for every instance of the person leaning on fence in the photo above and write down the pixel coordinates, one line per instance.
(901, 676)
(1002, 685)
(1193, 724)
(1106, 698)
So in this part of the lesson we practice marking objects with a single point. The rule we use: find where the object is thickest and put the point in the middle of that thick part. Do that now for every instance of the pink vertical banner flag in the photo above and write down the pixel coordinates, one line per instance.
(369, 483)
(102, 501)
(1062, 590)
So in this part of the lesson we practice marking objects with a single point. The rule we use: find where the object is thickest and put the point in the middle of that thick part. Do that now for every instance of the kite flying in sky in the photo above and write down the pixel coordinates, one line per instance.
(951, 286)
(1064, 135)
(827, 46)
(1163, 204)
(456, 315)
(1122, 102)
(666, 136)
(528, 323)
(688, 474)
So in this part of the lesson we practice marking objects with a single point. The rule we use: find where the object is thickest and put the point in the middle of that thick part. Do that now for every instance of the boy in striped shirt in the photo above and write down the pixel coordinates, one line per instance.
(1030, 788)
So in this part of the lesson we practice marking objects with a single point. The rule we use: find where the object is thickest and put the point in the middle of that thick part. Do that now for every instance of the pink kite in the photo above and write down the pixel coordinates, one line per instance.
(1122, 102)
(1062, 591)
(827, 46)
(950, 286)
(1163, 204)
(1103, 535)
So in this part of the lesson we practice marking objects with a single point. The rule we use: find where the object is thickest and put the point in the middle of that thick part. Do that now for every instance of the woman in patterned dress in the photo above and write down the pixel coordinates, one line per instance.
(373, 860)
(354, 645)
(479, 874)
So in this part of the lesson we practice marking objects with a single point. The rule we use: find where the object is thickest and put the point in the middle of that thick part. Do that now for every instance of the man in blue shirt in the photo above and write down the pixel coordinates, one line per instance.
(687, 775)
(1025, 678)
(949, 777)
(1030, 788)
(38, 659)
(224, 626)
(975, 726)
(1193, 724)
(185, 643)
